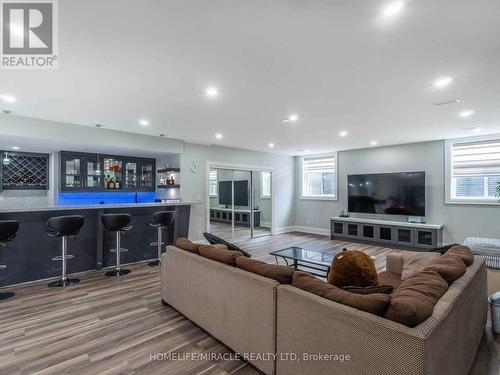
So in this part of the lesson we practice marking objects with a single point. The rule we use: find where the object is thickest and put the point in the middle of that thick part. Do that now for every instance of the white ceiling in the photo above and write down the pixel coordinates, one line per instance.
(340, 65)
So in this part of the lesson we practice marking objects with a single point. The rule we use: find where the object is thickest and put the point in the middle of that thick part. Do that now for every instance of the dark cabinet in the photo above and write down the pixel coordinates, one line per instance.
(96, 172)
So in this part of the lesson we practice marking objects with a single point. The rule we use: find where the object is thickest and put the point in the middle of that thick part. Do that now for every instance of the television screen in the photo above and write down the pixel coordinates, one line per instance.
(240, 193)
(387, 193)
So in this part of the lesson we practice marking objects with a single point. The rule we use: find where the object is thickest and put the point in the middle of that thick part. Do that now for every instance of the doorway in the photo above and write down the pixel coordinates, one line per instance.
(240, 202)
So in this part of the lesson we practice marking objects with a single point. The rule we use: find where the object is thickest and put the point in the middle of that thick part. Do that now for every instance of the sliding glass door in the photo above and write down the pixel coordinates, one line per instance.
(240, 203)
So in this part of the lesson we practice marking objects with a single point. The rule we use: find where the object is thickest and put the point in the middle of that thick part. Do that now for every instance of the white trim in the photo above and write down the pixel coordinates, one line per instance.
(448, 178)
(241, 167)
(303, 229)
(312, 230)
(283, 230)
(301, 177)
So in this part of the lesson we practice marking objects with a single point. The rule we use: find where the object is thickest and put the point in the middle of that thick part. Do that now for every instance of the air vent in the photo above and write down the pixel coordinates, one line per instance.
(454, 101)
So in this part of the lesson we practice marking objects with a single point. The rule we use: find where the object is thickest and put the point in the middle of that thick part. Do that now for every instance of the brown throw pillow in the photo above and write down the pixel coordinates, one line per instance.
(415, 261)
(373, 303)
(219, 255)
(389, 278)
(352, 268)
(385, 289)
(185, 244)
(463, 252)
(414, 301)
(283, 274)
(449, 266)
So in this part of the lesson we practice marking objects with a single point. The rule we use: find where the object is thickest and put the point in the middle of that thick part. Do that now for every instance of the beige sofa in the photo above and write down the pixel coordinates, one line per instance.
(234, 306)
(253, 314)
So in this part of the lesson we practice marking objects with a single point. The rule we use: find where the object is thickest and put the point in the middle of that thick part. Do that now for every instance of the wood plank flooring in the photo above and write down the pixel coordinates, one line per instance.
(112, 326)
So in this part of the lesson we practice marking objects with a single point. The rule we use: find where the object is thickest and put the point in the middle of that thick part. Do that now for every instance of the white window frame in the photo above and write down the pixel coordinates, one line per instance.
(449, 183)
(262, 195)
(333, 197)
(210, 182)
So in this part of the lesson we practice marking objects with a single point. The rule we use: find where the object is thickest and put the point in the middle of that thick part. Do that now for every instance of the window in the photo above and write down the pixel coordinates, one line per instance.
(265, 184)
(319, 177)
(473, 170)
(212, 183)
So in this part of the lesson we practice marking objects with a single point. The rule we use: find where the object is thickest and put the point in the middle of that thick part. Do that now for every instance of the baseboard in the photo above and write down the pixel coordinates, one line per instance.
(302, 229)
(312, 230)
(284, 230)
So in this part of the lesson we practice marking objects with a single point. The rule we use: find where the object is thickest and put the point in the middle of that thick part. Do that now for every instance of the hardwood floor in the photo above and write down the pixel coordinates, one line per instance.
(113, 326)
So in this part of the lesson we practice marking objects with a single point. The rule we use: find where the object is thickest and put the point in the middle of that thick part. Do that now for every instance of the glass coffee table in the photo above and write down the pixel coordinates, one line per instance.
(319, 261)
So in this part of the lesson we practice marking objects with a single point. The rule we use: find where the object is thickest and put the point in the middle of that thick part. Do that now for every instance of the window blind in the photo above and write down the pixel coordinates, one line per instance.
(319, 164)
(476, 159)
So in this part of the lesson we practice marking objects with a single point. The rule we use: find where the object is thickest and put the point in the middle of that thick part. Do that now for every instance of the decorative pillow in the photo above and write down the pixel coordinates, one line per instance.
(282, 274)
(389, 278)
(449, 266)
(352, 268)
(185, 244)
(415, 261)
(414, 301)
(463, 252)
(219, 255)
(376, 303)
(385, 289)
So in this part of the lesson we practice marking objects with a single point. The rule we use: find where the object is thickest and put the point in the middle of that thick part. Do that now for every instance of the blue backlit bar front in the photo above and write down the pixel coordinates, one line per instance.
(91, 198)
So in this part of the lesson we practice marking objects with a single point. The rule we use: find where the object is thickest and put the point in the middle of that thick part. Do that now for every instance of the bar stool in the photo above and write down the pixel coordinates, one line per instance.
(161, 220)
(64, 227)
(8, 230)
(117, 223)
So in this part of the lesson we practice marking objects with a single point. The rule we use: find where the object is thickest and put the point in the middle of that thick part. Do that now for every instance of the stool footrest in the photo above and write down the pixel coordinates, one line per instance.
(156, 243)
(60, 257)
(122, 250)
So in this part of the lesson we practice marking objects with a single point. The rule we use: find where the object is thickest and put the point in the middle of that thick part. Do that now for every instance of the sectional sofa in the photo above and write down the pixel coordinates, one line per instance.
(281, 329)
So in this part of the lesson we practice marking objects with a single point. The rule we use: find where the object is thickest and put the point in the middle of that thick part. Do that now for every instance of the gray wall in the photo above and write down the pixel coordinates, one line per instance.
(460, 220)
(194, 185)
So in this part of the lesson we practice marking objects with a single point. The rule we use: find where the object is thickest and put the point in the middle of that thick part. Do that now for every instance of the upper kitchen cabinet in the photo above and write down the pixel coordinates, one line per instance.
(98, 172)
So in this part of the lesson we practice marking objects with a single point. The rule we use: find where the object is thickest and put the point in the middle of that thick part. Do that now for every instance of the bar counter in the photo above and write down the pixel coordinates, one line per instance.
(29, 256)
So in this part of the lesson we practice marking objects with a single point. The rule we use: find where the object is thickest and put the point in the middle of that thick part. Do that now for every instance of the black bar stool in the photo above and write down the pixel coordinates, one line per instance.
(117, 223)
(64, 227)
(8, 230)
(161, 220)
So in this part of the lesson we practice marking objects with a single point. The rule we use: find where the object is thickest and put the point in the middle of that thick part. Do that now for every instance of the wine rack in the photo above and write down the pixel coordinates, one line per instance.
(25, 171)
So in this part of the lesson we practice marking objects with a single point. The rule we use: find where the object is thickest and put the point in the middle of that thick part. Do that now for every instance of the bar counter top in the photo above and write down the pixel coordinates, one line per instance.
(95, 206)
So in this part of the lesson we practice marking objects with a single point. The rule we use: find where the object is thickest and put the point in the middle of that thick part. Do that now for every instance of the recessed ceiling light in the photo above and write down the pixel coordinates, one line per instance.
(144, 122)
(212, 92)
(291, 118)
(476, 130)
(271, 145)
(8, 98)
(466, 113)
(393, 8)
(15, 147)
(442, 82)
(218, 135)
(373, 143)
(343, 133)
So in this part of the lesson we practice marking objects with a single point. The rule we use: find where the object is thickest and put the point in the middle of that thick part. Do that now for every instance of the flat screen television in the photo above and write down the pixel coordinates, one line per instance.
(240, 193)
(387, 193)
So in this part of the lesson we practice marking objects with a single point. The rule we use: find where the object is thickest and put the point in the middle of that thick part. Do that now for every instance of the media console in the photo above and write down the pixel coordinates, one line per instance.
(387, 233)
